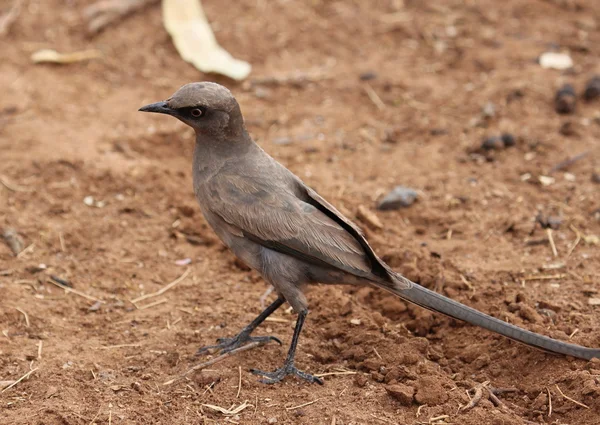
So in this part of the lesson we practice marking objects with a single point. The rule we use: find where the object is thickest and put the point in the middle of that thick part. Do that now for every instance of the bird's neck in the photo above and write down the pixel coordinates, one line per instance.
(212, 152)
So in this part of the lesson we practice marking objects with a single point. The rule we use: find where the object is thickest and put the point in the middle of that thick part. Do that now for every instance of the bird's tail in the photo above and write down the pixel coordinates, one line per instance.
(430, 300)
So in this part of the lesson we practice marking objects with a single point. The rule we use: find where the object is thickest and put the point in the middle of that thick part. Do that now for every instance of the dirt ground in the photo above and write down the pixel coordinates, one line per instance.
(68, 133)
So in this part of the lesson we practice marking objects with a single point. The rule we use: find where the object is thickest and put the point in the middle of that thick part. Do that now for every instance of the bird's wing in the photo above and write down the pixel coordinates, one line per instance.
(276, 218)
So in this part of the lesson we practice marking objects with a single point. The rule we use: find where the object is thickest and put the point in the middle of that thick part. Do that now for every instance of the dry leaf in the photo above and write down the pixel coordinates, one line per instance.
(186, 22)
(52, 56)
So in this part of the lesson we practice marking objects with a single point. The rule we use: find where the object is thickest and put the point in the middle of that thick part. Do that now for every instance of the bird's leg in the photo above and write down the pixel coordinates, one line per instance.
(227, 344)
(288, 367)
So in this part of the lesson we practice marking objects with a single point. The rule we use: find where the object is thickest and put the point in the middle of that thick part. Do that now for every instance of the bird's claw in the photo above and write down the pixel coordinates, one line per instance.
(288, 369)
(225, 345)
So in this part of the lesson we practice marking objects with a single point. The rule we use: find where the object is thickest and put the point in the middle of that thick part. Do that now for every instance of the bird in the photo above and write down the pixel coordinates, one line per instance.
(277, 225)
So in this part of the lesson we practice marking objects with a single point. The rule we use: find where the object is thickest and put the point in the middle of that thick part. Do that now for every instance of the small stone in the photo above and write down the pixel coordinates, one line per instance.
(592, 89)
(565, 99)
(489, 110)
(568, 129)
(594, 301)
(262, 93)
(272, 420)
(508, 139)
(403, 393)
(355, 321)
(492, 143)
(367, 76)
(89, 201)
(546, 180)
(399, 197)
(553, 60)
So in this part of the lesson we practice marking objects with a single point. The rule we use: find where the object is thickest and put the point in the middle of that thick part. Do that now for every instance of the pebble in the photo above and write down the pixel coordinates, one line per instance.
(565, 99)
(498, 142)
(592, 89)
(508, 139)
(492, 143)
(553, 60)
(367, 76)
(398, 197)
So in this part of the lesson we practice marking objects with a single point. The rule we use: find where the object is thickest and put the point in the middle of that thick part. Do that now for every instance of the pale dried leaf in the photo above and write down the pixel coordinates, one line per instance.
(194, 40)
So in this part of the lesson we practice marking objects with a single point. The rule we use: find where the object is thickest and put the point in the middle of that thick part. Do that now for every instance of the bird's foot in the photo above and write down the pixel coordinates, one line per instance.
(225, 345)
(282, 372)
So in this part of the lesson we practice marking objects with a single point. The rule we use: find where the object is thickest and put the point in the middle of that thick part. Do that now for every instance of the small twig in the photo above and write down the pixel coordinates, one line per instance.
(10, 17)
(24, 314)
(302, 405)
(573, 333)
(19, 380)
(110, 347)
(374, 97)
(438, 418)
(239, 382)
(277, 320)
(343, 372)
(476, 397)
(57, 282)
(40, 344)
(551, 240)
(29, 248)
(545, 277)
(570, 399)
(61, 239)
(152, 304)
(419, 409)
(14, 187)
(163, 289)
(216, 360)
(377, 353)
(231, 411)
(577, 240)
(568, 162)
(549, 402)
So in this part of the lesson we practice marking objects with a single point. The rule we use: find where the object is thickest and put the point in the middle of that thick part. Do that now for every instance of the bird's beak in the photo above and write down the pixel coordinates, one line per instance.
(158, 107)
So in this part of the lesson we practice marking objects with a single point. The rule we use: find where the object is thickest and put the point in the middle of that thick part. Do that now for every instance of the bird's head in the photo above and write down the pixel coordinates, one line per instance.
(209, 108)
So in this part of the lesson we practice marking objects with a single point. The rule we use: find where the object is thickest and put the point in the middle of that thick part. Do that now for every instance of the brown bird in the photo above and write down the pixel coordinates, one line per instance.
(293, 237)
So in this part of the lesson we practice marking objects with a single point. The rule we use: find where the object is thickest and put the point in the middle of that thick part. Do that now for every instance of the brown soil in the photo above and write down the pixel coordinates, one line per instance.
(69, 132)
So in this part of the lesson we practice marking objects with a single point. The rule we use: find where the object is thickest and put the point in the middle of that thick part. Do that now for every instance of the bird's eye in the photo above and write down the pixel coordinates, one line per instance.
(196, 112)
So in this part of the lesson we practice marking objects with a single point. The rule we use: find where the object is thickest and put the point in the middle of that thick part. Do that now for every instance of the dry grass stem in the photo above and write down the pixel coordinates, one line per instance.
(374, 97)
(152, 304)
(551, 240)
(24, 314)
(302, 405)
(239, 382)
(215, 360)
(570, 399)
(232, 411)
(110, 347)
(163, 289)
(56, 282)
(19, 380)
